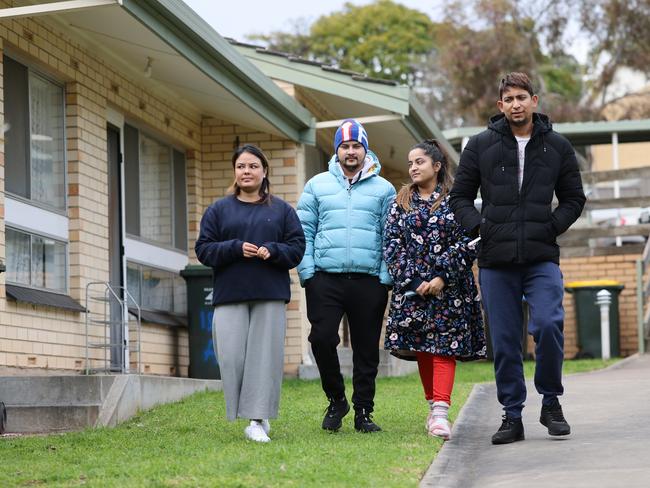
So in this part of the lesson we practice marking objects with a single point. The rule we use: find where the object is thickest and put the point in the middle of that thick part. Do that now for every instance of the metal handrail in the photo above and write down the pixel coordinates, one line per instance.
(108, 293)
(139, 322)
(643, 297)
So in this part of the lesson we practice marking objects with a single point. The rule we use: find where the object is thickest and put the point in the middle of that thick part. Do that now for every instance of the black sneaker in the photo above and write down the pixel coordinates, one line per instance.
(553, 419)
(363, 422)
(334, 414)
(511, 430)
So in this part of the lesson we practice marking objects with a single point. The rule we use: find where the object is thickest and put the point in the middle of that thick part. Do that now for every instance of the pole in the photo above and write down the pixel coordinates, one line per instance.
(617, 183)
(640, 304)
(603, 300)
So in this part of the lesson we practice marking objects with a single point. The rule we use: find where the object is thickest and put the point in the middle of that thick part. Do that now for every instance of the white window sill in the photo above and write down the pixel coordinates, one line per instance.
(154, 256)
(36, 220)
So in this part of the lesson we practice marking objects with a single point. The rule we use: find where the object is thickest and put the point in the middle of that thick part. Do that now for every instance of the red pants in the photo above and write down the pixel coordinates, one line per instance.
(437, 375)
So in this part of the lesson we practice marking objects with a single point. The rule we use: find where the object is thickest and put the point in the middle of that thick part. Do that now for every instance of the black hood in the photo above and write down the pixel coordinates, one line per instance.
(499, 123)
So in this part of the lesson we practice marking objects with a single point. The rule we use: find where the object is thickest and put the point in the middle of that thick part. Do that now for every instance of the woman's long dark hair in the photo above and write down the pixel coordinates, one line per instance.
(265, 189)
(431, 148)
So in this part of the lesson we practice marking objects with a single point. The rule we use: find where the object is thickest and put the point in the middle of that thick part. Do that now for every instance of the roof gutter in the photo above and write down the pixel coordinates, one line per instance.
(53, 8)
(186, 32)
(578, 133)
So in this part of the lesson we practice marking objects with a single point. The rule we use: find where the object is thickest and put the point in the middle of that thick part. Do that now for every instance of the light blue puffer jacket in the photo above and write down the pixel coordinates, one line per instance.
(344, 223)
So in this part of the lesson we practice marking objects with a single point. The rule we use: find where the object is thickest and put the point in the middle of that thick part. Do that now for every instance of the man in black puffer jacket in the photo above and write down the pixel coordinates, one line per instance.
(518, 163)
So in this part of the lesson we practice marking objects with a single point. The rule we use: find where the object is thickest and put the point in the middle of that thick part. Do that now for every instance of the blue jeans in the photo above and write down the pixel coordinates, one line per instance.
(502, 290)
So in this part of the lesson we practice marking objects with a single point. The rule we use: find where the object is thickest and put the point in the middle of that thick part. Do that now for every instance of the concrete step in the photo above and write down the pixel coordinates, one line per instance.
(54, 390)
(42, 404)
(50, 418)
(53, 403)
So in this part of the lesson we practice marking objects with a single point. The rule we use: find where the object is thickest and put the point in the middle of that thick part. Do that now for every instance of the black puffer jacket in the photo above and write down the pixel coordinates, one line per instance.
(517, 227)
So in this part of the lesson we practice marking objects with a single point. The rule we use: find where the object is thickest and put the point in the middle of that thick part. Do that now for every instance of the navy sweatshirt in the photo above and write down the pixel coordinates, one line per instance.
(226, 225)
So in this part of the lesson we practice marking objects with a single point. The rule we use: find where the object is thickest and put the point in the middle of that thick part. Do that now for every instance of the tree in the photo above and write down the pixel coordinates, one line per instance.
(482, 40)
(621, 31)
(453, 65)
(382, 39)
(618, 32)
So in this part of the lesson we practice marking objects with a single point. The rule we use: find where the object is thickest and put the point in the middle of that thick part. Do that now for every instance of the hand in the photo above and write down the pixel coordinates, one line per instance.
(250, 250)
(436, 285)
(263, 253)
(423, 289)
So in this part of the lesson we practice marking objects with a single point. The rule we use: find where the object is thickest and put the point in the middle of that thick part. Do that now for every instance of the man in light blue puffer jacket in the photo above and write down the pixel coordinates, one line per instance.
(342, 212)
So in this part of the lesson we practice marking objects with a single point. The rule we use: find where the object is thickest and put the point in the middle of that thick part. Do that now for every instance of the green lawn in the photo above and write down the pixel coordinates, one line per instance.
(190, 444)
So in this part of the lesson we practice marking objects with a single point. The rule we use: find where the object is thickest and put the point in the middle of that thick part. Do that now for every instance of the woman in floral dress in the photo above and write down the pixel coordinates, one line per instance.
(435, 312)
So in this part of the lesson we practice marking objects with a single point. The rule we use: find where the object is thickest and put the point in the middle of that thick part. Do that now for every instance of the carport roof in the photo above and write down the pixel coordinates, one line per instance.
(191, 62)
(579, 133)
(399, 119)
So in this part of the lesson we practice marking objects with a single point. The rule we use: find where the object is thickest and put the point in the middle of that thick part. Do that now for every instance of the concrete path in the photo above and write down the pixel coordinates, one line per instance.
(609, 445)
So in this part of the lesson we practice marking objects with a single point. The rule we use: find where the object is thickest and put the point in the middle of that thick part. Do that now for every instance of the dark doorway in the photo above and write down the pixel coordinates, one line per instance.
(115, 248)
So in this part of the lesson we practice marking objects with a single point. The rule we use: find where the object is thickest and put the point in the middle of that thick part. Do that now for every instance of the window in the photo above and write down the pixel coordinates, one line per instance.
(156, 289)
(35, 261)
(155, 190)
(34, 136)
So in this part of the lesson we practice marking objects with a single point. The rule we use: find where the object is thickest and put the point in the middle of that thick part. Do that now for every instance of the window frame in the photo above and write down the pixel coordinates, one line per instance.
(173, 274)
(31, 71)
(173, 148)
(66, 267)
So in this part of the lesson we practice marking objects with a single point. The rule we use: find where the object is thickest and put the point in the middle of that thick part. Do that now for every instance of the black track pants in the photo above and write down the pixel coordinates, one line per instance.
(363, 299)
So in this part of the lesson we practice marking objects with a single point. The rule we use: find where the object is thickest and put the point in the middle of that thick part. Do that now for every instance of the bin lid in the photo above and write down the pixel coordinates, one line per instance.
(196, 270)
(594, 284)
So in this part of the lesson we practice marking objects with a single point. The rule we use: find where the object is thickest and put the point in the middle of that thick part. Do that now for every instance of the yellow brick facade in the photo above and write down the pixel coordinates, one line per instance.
(45, 337)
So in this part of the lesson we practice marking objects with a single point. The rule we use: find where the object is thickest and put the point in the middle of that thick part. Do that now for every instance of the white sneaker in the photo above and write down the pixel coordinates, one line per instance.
(266, 425)
(256, 432)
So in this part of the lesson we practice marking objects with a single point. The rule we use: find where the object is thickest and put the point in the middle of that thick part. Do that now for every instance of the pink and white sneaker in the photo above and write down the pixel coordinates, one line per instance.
(441, 428)
(429, 422)
(438, 423)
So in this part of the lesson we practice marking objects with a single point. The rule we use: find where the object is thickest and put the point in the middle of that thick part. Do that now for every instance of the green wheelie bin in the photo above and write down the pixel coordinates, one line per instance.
(588, 316)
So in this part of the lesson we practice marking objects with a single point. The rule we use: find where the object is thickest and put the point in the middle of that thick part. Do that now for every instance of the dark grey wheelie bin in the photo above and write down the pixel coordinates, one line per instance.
(203, 361)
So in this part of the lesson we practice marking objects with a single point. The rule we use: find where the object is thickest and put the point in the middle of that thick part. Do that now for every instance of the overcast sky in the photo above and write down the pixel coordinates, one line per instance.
(236, 18)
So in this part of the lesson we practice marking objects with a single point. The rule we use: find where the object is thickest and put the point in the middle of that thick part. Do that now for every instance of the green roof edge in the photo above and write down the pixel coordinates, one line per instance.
(179, 26)
(568, 129)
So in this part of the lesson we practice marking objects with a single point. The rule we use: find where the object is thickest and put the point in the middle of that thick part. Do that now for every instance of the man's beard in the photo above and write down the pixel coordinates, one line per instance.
(352, 164)
(521, 122)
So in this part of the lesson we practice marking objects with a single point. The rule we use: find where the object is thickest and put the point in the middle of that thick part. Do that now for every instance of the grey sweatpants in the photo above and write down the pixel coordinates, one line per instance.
(249, 342)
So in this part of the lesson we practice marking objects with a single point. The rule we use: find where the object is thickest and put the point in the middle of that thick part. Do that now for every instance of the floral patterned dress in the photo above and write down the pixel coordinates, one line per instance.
(418, 246)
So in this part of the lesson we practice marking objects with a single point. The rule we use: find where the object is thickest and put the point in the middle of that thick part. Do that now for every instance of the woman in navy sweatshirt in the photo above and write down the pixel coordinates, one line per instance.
(251, 240)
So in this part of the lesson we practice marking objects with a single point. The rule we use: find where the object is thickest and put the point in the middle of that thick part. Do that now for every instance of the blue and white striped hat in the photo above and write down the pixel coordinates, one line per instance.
(350, 130)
